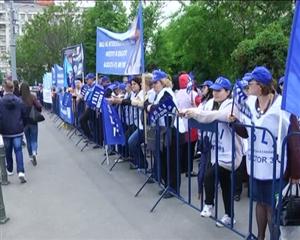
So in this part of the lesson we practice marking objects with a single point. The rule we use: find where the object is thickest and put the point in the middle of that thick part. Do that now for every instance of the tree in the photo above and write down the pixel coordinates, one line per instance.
(110, 15)
(44, 38)
(203, 37)
(268, 48)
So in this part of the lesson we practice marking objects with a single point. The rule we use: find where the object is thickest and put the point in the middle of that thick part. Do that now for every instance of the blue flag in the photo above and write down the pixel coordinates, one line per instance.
(190, 83)
(240, 98)
(164, 107)
(59, 75)
(291, 89)
(95, 98)
(113, 130)
(53, 76)
(121, 53)
(65, 107)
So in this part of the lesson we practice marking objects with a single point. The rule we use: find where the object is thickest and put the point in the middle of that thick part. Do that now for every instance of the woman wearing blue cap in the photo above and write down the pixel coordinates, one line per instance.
(265, 106)
(163, 89)
(218, 108)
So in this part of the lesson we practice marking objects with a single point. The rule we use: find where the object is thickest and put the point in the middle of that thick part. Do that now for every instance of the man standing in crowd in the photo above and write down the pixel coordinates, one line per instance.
(85, 117)
(12, 121)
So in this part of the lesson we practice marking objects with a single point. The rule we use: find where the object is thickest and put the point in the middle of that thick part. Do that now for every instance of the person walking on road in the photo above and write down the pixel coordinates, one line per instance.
(12, 120)
(31, 128)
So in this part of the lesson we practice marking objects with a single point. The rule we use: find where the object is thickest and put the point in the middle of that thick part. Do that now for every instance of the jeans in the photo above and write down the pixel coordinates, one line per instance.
(135, 150)
(31, 134)
(15, 143)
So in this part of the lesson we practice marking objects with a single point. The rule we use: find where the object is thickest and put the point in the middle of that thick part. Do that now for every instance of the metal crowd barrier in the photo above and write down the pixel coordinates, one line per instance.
(128, 116)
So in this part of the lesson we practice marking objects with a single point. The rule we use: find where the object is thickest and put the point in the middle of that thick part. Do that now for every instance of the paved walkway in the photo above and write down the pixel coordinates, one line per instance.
(69, 195)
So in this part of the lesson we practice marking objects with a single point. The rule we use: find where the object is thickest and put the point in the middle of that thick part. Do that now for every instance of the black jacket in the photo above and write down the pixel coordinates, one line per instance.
(12, 116)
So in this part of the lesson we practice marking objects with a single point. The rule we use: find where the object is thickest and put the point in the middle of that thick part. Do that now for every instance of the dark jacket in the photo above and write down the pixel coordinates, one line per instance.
(293, 151)
(12, 116)
(36, 103)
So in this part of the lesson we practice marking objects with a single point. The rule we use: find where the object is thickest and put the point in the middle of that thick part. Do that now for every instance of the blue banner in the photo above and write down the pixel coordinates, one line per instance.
(59, 76)
(240, 98)
(73, 59)
(84, 90)
(291, 88)
(164, 107)
(94, 100)
(53, 76)
(121, 53)
(47, 84)
(113, 130)
(65, 107)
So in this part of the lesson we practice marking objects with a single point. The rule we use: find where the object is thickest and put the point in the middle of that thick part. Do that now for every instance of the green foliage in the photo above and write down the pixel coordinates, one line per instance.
(268, 48)
(44, 38)
(106, 14)
(204, 38)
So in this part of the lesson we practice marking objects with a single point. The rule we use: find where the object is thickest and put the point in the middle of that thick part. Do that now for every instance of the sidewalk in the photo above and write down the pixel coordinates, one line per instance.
(69, 195)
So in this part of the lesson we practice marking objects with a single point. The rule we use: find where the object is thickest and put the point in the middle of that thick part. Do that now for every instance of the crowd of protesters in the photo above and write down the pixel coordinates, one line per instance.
(211, 101)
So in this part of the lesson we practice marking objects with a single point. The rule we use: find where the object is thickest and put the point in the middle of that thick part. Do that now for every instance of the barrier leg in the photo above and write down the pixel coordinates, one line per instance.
(118, 160)
(167, 190)
(85, 145)
(4, 180)
(73, 133)
(147, 181)
(79, 141)
(106, 156)
(251, 237)
(3, 218)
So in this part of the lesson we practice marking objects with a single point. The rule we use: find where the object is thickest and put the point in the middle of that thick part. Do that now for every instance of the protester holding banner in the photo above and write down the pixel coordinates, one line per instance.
(219, 108)
(85, 117)
(164, 104)
(12, 121)
(136, 137)
(265, 111)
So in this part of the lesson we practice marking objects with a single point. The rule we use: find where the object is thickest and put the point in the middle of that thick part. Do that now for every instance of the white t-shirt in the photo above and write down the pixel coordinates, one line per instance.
(263, 144)
(207, 115)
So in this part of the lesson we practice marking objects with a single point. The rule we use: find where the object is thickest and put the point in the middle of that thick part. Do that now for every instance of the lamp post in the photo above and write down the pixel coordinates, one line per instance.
(13, 28)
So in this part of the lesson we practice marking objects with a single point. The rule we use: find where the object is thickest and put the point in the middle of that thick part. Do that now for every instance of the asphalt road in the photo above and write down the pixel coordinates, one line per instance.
(69, 195)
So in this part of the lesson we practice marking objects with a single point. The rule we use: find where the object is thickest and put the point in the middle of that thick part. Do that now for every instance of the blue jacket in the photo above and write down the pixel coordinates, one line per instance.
(12, 116)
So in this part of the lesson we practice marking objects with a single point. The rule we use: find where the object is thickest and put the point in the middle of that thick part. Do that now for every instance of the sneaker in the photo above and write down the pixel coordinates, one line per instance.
(21, 176)
(225, 220)
(207, 211)
(33, 160)
(10, 173)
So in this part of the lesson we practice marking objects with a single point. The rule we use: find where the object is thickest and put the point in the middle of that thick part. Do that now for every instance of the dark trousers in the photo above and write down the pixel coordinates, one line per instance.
(225, 182)
(84, 122)
(173, 179)
(184, 157)
(241, 175)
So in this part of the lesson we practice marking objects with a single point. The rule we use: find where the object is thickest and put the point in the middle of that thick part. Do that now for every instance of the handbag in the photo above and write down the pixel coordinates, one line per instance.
(35, 116)
(290, 208)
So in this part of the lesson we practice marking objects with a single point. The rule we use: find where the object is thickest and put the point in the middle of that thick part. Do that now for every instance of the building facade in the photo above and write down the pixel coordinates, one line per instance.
(23, 12)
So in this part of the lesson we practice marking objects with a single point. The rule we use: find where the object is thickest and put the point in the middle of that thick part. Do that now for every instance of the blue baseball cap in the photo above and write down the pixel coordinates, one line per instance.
(90, 76)
(281, 80)
(262, 75)
(247, 77)
(158, 75)
(105, 79)
(122, 86)
(206, 83)
(220, 83)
